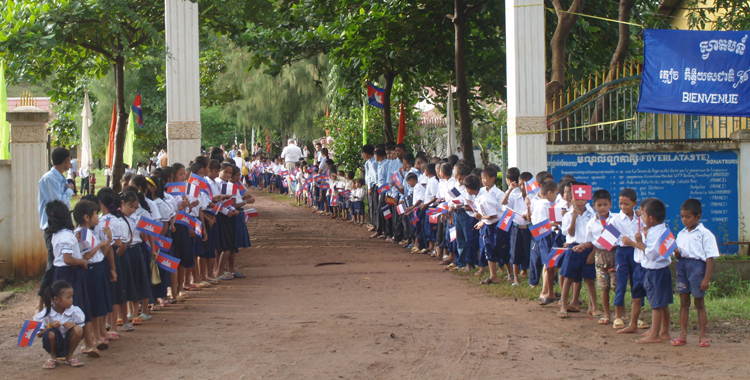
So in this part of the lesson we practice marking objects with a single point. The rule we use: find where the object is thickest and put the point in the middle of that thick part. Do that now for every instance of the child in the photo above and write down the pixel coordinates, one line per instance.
(489, 174)
(462, 220)
(538, 212)
(695, 253)
(63, 323)
(109, 203)
(605, 259)
(134, 207)
(382, 178)
(371, 169)
(358, 201)
(345, 203)
(227, 230)
(242, 236)
(488, 211)
(579, 265)
(182, 242)
(628, 268)
(657, 279)
(520, 236)
(430, 197)
(86, 216)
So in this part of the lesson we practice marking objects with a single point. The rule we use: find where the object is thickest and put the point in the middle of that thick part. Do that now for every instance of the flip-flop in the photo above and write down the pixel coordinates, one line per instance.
(618, 324)
(94, 353)
(546, 301)
(678, 342)
(50, 364)
(573, 309)
(643, 325)
(74, 362)
(704, 343)
(487, 282)
(603, 321)
(561, 314)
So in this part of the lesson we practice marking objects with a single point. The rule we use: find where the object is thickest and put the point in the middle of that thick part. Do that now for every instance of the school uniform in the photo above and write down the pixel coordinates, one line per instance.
(241, 234)
(696, 247)
(467, 237)
(575, 265)
(117, 288)
(383, 177)
(97, 279)
(64, 242)
(539, 255)
(657, 279)
(447, 196)
(431, 192)
(160, 290)
(418, 215)
(626, 268)
(72, 314)
(606, 272)
(227, 240)
(140, 272)
(496, 241)
(520, 236)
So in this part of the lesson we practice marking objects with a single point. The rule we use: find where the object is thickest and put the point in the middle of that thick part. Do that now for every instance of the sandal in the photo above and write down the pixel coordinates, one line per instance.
(113, 336)
(619, 324)
(119, 322)
(546, 301)
(487, 282)
(643, 325)
(74, 362)
(704, 343)
(136, 321)
(144, 317)
(50, 364)
(562, 314)
(128, 327)
(678, 342)
(94, 353)
(103, 344)
(603, 321)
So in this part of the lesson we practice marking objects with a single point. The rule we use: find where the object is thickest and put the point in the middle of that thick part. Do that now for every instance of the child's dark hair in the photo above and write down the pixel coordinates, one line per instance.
(453, 159)
(341, 173)
(361, 181)
(177, 166)
(409, 159)
(446, 168)
(654, 208)
(565, 182)
(380, 152)
(225, 165)
(411, 176)
(430, 169)
(159, 192)
(127, 177)
(601, 194)
(490, 172)
(110, 200)
(138, 195)
(350, 175)
(203, 160)
(548, 186)
(543, 176)
(329, 162)
(59, 155)
(58, 216)
(196, 167)
(525, 176)
(368, 149)
(214, 164)
(630, 194)
(142, 184)
(693, 206)
(53, 291)
(91, 198)
(83, 208)
(512, 174)
(472, 182)
(462, 169)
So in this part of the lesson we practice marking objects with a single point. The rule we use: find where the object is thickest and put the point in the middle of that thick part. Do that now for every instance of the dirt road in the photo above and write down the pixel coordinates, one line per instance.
(382, 314)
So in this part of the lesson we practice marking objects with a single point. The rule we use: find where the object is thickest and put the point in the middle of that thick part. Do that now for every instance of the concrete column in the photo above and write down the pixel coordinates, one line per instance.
(28, 148)
(183, 81)
(743, 138)
(527, 122)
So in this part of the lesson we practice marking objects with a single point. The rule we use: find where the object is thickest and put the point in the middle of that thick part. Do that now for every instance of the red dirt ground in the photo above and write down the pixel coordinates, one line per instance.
(384, 314)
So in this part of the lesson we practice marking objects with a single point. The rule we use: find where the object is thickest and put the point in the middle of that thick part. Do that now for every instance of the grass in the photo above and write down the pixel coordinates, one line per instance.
(21, 286)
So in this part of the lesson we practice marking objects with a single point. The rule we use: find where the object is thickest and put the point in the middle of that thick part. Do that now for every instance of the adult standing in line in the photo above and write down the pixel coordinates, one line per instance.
(164, 160)
(52, 186)
(305, 153)
(258, 151)
(291, 155)
(243, 151)
(84, 180)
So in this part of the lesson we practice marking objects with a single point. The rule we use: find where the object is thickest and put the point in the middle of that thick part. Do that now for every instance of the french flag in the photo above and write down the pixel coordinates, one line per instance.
(177, 188)
(387, 213)
(149, 227)
(608, 238)
(28, 333)
(228, 188)
(384, 188)
(396, 178)
(555, 255)
(667, 243)
(453, 234)
(193, 190)
(582, 192)
(506, 220)
(455, 192)
(164, 243)
(88, 237)
(532, 187)
(166, 262)
(187, 220)
(555, 214)
(251, 213)
(401, 208)
(541, 230)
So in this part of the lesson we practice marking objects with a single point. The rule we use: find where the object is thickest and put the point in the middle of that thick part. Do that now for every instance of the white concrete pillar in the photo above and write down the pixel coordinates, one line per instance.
(28, 149)
(743, 138)
(527, 122)
(183, 81)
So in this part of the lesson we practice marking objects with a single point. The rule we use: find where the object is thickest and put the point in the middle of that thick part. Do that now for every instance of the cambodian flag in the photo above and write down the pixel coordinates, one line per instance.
(532, 187)
(201, 183)
(334, 201)
(164, 243)
(283, 173)
(324, 186)
(295, 171)
(149, 227)
(667, 243)
(188, 220)
(396, 178)
(401, 208)
(443, 207)
(28, 333)
(177, 188)
(345, 193)
(608, 238)
(387, 212)
(218, 207)
(415, 219)
(240, 188)
(137, 109)
(555, 255)
(375, 95)
(453, 234)
(541, 230)
(299, 192)
(384, 188)
(506, 220)
(581, 192)
(555, 214)
(166, 262)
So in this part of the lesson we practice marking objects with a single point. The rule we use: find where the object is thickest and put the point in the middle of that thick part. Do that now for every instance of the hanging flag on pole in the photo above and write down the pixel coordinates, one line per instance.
(4, 125)
(112, 129)
(375, 95)
(127, 152)
(401, 125)
(87, 119)
(450, 122)
(137, 109)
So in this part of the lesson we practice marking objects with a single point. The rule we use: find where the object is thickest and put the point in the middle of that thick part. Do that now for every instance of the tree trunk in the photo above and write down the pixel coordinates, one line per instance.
(565, 23)
(387, 123)
(122, 123)
(462, 91)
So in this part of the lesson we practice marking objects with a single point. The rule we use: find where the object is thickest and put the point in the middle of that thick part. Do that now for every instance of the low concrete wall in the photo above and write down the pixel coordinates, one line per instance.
(6, 222)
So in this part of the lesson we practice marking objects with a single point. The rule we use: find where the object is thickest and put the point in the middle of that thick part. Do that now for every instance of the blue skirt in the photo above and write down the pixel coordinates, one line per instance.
(116, 288)
(241, 235)
(140, 273)
(227, 240)
(183, 247)
(75, 277)
(97, 285)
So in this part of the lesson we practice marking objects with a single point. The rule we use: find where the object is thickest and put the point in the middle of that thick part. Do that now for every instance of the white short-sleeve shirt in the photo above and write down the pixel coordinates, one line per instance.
(64, 242)
(699, 244)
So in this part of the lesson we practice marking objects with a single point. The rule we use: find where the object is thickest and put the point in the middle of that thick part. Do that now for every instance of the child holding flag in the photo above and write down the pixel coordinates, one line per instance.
(604, 256)
(487, 212)
(541, 229)
(63, 324)
(579, 265)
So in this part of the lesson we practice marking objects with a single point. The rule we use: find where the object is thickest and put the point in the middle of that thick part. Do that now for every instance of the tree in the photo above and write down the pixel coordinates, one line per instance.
(565, 23)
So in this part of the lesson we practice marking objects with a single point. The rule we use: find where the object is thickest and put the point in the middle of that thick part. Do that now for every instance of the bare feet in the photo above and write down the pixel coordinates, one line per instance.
(665, 336)
(628, 330)
(648, 339)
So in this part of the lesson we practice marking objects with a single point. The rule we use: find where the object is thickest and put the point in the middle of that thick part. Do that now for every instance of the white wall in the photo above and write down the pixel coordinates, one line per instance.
(6, 223)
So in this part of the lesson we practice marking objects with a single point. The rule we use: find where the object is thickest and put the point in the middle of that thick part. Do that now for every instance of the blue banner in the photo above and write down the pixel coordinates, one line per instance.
(710, 177)
(695, 73)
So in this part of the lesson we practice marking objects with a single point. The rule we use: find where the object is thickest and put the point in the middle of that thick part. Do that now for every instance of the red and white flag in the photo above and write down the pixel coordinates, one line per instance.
(581, 192)
(555, 214)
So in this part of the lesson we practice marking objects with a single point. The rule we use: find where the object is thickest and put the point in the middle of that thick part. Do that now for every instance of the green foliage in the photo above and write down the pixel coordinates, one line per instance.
(718, 14)
(216, 128)
(212, 65)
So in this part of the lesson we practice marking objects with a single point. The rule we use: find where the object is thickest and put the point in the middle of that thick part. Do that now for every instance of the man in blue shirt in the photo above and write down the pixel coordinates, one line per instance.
(371, 176)
(52, 186)
(383, 177)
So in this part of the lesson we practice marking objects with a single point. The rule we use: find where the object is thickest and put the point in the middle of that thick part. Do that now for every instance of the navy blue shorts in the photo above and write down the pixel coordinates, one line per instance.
(574, 265)
(520, 246)
(637, 290)
(690, 274)
(61, 342)
(658, 285)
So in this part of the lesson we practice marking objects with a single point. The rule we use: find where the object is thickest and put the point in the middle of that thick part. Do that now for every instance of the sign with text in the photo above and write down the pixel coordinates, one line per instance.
(695, 73)
(710, 177)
